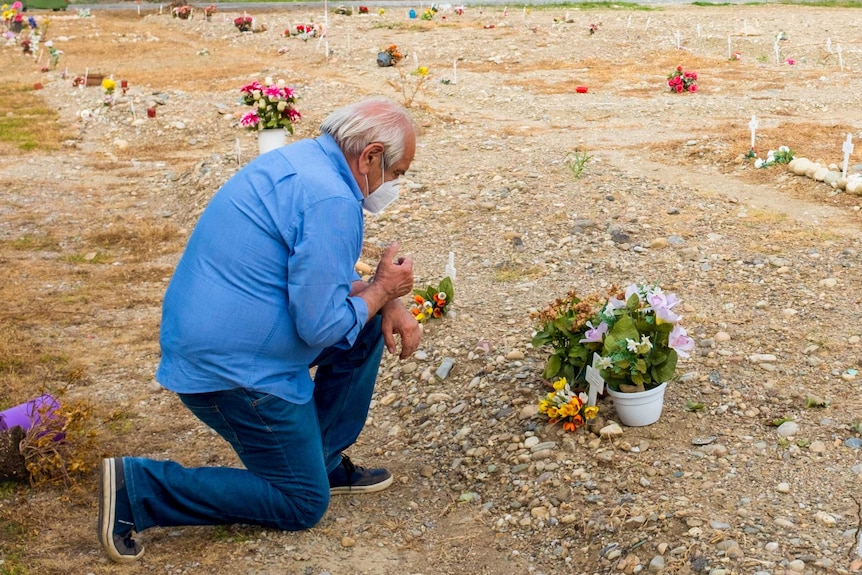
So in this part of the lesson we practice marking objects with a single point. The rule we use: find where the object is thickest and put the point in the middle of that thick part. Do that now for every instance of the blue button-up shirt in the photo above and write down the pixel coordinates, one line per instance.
(263, 285)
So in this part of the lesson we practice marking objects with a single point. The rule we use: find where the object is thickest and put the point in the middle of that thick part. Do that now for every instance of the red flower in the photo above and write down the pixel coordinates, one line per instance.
(679, 88)
(692, 88)
(679, 68)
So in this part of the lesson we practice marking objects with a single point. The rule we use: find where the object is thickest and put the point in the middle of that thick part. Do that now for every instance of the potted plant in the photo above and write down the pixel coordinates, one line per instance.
(273, 111)
(636, 337)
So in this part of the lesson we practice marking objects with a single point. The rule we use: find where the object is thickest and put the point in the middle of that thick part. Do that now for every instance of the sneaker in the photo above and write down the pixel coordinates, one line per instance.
(349, 478)
(116, 525)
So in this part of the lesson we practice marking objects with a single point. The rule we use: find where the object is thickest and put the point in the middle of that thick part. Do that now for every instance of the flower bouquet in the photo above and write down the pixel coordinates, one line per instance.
(273, 105)
(243, 23)
(432, 302)
(389, 57)
(567, 406)
(680, 81)
(783, 155)
(564, 326)
(635, 333)
(183, 12)
(303, 31)
(209, 11)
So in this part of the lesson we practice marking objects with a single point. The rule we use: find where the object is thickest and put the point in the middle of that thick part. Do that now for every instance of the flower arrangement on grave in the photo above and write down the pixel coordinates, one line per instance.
(109, 85)
(459, 10)
(563, 326)
(243, 23)
(428, 13)
(273, 106)
(783, 155)
(182, 12)
(363, 9)
(302, 31)
(635, 333)
(567, 406)
(680, 81)
(210, 10)
(393, 53)
(432, 302)
(593, 29)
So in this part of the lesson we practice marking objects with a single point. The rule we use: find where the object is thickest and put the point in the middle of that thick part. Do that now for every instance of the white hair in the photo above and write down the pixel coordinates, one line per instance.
(372, 120)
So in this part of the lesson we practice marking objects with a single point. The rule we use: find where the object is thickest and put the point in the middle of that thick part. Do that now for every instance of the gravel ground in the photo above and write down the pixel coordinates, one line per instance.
(766, 263)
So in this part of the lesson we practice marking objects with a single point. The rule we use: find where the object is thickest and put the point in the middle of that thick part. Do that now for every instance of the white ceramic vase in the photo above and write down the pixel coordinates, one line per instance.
(640, 408)
(268, 140)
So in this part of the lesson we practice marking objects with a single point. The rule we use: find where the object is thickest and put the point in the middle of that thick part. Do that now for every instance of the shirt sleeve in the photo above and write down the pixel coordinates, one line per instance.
(321, 273)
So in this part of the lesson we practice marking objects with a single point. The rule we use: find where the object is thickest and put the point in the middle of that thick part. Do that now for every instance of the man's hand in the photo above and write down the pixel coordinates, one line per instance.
(394, 275)
(396, 320)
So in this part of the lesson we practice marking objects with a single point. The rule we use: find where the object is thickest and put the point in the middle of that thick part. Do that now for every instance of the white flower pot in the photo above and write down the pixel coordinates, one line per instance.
(640, 408)
(268, 140)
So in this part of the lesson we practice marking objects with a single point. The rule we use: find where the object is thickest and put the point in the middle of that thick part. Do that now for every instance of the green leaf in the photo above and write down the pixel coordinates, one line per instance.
(814, 401)
(447, 288)
(553, 367)
(693, 405)
(778, 421)
(664, 372)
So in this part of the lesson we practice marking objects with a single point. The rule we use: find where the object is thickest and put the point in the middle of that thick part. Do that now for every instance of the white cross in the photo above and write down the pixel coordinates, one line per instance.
(594, 378)
(753, 125)
(847, 148)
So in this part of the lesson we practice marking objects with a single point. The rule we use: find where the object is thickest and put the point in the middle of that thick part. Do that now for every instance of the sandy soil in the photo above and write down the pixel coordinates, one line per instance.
(767, 258)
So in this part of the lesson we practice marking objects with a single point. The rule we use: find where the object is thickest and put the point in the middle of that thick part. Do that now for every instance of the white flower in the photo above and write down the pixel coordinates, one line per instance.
(758, 163)
(604, 362)
(631, 345)
(783, 149)
(281, 83)
(268, 80)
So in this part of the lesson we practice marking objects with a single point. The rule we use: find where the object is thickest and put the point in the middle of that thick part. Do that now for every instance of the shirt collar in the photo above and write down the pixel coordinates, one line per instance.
(333, 151)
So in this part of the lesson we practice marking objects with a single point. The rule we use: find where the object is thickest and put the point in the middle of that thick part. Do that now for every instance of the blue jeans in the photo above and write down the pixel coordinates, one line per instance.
(287, 450)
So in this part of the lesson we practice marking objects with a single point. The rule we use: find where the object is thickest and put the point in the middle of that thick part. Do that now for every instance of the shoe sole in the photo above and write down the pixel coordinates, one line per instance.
(348, 489)
(107, 513)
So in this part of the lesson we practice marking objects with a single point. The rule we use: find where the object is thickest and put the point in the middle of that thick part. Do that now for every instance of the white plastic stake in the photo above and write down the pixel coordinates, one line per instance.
(132, 106)
(450, 267)
(678, 40)
(753, 126)
(455, 71)
(847, 148)
(647, 24)
(777, 51)
(828, 45)
(729, 53)
(415, 61)
(840, 59)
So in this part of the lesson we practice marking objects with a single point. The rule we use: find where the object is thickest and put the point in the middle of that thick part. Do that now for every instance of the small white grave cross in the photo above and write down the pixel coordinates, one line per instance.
(840, 58)
(753, 126)
(847, 148)
(455, 71)
(450, 267)
(829, 45)
(678, 40)
(594, 378)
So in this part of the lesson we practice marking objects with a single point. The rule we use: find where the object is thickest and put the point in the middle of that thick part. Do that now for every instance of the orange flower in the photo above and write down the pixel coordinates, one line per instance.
(416, 311)
(570, 426)
(418, 299)
(438, 312)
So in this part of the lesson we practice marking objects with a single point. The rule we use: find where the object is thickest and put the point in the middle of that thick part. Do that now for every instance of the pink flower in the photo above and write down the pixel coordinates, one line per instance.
(249, 88)
(679, 341)
(692, 88)
(249, 120)
(293, 114)
(595, 334)
(791, 61)
(679, 88)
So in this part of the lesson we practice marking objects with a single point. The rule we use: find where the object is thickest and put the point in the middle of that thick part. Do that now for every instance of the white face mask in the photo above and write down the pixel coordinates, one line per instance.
(383, 195)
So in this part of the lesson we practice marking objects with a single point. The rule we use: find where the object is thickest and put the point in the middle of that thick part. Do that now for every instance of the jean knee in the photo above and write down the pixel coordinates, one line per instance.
(309, 508)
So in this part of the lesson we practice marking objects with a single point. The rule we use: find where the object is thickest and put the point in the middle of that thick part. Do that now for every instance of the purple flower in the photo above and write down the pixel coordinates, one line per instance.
(679, 341)
(595, 334)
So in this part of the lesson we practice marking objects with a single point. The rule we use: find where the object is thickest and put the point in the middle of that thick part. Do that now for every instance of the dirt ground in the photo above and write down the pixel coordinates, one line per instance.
(90, 232)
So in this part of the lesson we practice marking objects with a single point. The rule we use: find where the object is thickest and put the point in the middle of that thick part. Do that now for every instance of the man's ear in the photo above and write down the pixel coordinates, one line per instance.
(370, 155)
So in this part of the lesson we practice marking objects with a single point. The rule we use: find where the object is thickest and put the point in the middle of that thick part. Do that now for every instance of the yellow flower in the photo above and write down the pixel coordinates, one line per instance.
(560, 384)
(423, 71)
(566, 410)
(108, 85)
(591, 412)
(553, 412)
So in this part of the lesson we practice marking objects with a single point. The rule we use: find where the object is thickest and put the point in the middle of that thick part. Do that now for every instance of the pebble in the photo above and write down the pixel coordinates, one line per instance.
(788, 429)
(445, 367)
